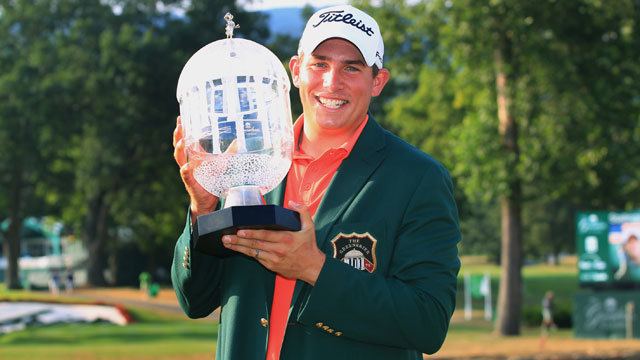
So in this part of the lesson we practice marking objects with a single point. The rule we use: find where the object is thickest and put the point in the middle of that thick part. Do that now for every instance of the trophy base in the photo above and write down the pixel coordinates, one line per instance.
(209, 229)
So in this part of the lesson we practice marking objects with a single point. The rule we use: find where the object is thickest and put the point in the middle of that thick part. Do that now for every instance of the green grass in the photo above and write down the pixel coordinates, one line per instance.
(154, 335)
(171, 336)
(537, 279)
(152, 340)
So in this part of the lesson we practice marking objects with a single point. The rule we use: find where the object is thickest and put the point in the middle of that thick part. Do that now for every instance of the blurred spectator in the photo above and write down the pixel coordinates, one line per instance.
(547, 318)
(145, 280)
(68, 284)
(547, 311)
(54, 282)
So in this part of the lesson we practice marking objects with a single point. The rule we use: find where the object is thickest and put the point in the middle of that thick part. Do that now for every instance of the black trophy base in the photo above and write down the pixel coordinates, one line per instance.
(209, 229)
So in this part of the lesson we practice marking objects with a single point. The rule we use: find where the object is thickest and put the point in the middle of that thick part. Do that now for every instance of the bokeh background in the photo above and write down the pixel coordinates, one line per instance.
(534, 107)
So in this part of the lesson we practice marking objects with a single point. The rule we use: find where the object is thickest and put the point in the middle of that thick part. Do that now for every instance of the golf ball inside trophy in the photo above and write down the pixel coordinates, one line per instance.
(236, 115)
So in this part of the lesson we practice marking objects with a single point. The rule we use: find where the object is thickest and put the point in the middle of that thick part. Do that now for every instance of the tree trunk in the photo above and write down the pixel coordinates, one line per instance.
(11, 246)
(95, 236)
(510, 294)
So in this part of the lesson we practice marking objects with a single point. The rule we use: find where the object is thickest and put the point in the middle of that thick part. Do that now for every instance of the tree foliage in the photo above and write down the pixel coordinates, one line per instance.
(88, 110)
(87, 107)
(569, 66)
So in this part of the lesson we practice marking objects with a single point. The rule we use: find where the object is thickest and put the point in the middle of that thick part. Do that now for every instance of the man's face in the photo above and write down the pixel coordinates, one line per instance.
(335, 85)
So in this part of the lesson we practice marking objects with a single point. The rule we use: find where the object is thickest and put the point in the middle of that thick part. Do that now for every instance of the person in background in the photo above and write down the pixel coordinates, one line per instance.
(68, 284)
(54, 282)
(547, 311)
(547, 317)
(144, 280)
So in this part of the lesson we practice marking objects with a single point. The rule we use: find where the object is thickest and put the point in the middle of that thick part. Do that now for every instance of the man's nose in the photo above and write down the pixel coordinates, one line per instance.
(332, 79)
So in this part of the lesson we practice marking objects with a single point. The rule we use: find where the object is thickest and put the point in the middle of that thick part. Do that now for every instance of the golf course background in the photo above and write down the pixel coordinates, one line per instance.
(157, 334)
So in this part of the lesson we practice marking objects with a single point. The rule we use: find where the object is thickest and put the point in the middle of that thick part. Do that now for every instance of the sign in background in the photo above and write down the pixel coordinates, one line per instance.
(607, 314)
(608, 248)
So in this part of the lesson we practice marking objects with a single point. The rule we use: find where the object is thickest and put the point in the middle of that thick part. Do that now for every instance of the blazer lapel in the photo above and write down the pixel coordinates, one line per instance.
(349, 179)
(276, 196)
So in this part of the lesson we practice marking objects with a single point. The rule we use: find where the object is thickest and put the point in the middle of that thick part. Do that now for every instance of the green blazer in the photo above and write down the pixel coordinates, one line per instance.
(389, 226)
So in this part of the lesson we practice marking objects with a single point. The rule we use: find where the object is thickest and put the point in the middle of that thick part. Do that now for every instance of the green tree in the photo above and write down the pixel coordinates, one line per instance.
(127, 185)
(530, 105)
(31, 111)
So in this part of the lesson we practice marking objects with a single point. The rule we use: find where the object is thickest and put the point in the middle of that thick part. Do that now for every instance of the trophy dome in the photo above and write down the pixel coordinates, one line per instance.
(235, 109)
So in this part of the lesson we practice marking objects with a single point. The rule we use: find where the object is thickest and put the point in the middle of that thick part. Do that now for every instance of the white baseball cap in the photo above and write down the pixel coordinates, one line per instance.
(346, 22)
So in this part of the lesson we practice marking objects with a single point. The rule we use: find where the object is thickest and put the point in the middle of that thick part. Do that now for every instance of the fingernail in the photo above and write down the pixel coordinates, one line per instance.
(294, 204)
(226, 239)
(242, 233)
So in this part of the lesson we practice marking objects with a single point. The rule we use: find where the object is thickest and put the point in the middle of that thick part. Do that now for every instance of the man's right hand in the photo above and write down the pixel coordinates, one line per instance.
(202, 201)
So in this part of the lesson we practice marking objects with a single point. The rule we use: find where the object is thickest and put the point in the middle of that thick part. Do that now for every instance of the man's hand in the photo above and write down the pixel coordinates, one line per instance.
(294, 255)
(202, 202)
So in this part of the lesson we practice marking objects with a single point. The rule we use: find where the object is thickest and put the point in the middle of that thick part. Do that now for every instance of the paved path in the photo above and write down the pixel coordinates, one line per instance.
(166, 300)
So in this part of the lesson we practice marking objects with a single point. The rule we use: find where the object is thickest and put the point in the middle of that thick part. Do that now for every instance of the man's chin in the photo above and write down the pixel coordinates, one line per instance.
(329, 124)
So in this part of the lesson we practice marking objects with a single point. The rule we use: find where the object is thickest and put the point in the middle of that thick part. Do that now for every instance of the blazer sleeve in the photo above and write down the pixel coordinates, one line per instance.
(410, 307)
(196, 277)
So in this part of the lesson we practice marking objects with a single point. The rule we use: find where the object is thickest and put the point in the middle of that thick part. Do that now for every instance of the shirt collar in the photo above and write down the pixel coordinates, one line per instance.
(346, 146)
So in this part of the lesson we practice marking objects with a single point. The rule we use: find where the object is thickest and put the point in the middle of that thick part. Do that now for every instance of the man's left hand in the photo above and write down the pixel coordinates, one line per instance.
(294, 255)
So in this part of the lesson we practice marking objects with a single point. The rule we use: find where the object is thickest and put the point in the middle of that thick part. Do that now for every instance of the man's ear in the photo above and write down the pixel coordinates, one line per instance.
(380, 81)
(294, 66)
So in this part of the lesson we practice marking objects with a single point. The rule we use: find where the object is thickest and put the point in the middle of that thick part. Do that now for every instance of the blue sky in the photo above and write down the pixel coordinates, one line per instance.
(253, 5)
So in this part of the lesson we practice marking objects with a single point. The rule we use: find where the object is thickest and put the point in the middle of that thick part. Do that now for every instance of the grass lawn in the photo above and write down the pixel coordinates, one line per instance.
(537, 279)
(152, 340)
(164, 335)
(154, 335)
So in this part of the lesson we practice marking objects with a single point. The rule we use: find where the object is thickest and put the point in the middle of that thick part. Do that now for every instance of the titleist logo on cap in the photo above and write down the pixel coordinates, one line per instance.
(338, 16)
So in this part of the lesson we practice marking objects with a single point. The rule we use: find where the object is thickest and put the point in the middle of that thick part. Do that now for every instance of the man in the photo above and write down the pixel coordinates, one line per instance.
(547, 318)
(628, 257)
(372, 273)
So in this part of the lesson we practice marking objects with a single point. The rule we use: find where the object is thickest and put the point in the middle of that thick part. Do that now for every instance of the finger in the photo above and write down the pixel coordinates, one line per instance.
(247, 247)
(273, 248)
(177, 132)
(241, 249)
(240, 241)
(179, 154)
(264, 257)
(306, 221)
(186, 173)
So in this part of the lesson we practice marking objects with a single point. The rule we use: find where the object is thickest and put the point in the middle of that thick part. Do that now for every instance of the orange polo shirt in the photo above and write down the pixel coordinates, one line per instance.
(307, 182)
(309, 178)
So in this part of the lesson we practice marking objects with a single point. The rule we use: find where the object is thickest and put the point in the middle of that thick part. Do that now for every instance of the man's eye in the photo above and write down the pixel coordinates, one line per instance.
(319, 65)
(352, 69)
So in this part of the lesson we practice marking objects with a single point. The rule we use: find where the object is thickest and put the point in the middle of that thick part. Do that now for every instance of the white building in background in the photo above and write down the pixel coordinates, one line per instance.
(44, 252)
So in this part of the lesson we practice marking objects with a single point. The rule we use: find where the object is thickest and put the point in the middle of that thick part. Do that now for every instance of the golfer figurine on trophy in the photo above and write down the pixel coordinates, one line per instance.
(234, 104)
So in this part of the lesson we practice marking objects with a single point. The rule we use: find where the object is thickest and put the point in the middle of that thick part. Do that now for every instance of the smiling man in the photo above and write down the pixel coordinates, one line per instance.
(372, 273)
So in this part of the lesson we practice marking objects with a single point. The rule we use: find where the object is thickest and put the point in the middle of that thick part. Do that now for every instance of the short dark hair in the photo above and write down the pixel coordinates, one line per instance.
(375, 70)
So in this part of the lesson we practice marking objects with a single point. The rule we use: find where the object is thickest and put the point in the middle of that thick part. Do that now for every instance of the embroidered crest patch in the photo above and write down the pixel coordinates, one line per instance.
(357, 250)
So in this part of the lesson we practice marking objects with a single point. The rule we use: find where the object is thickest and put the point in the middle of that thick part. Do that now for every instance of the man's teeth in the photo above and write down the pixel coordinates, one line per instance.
(332, 103)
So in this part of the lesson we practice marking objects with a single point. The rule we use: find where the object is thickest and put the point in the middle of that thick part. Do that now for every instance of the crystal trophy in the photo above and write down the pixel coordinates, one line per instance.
(236, 116)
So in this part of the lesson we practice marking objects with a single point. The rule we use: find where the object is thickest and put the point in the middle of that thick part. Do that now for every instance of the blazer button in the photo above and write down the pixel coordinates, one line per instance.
(338, 333)
(325, 328)
(319, 325)
(264, 322)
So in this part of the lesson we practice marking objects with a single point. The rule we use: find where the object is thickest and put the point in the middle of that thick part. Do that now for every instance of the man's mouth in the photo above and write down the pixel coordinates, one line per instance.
(331, 103)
